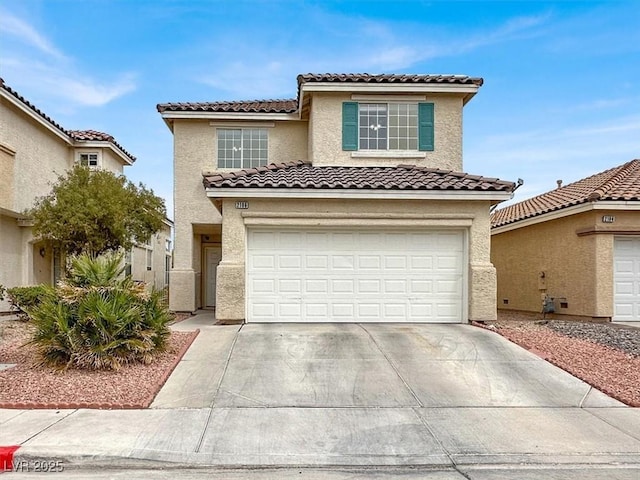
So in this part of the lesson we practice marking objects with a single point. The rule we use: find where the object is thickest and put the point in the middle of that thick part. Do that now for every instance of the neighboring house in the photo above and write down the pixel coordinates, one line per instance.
(150, 262)
(34, 151)
(344, 204)
(578, 244)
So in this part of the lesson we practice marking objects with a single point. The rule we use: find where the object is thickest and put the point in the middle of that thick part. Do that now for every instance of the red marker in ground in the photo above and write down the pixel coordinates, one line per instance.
(6, 457)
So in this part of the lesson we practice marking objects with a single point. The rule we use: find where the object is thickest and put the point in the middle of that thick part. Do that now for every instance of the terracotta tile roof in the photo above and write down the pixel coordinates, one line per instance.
(93, 135)
(77, 135)
(387, 78)
(304, 175)
(619, 183)
(31, 106)
(250, 106)
(290, 105)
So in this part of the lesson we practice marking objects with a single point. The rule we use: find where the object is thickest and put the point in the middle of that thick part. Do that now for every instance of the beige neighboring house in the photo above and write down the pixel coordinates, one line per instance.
(34, 151)
(344, 204)
(578, 245)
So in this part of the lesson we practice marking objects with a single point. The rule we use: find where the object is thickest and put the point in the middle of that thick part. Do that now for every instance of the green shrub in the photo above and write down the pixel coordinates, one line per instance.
(99, 319)
(22, 299)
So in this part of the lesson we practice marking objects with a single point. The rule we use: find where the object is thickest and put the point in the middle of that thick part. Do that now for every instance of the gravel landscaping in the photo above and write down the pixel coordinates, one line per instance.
(29, 386)
(604, 355)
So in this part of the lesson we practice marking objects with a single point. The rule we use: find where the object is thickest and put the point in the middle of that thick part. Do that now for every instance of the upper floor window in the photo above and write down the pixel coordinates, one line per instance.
(387, 126)
(91, 160)
(242, 147)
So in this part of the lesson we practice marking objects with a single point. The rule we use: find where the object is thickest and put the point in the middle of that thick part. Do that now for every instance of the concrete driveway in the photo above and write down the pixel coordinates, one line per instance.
(453, 398)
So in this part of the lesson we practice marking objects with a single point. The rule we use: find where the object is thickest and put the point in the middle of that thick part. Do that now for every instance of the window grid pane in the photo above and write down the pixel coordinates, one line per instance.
(403, 130)
(242, 148)
(373, 126)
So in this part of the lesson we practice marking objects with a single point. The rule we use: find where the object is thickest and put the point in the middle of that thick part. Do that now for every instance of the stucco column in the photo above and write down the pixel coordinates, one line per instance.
(483, 283)
(182, 277)
(230, 279)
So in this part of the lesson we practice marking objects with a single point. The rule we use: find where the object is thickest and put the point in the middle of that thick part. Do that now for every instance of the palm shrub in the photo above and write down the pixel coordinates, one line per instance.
(98, 318)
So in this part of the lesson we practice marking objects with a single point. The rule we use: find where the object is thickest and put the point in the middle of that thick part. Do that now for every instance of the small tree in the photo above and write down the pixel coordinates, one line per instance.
(95, 212)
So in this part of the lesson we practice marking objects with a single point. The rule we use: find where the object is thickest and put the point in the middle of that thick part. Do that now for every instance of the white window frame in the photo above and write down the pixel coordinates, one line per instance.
(243, 148)
(98, 159)
(392, 140)
(149, 254)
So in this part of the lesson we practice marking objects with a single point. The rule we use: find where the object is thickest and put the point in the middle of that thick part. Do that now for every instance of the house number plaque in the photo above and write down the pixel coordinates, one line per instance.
(242, 205)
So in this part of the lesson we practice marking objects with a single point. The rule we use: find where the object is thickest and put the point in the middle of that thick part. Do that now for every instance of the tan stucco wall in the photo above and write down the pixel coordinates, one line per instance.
(156, 276)
(472, 217)
(32, 157)
(39, 153)
(195, 152)
(578, 268)
(325, 134)
(7, 173)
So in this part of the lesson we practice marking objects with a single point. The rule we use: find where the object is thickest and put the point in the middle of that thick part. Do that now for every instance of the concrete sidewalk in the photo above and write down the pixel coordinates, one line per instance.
(452, 401)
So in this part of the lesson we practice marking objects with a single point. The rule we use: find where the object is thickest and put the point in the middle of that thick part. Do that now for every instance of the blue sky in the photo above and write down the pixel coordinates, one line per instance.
(561, 98)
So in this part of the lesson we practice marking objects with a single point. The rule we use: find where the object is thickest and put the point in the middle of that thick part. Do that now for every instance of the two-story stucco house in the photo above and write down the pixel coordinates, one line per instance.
(345, 204)
(34, 151)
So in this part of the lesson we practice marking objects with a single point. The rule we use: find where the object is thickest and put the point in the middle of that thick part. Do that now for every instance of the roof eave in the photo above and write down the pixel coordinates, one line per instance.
(468, 89)
(335, 193)
(104, 144)
(565, 212)
(35, 116)
(204, 115)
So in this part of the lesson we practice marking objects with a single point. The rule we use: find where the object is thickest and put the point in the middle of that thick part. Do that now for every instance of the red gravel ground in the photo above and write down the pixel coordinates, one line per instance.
(608, 369)
(30, 386)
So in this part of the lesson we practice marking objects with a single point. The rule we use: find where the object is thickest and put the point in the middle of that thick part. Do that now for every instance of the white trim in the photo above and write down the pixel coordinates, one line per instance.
(388, 154)
(101, 144)
(230, 115)
(230, 192)
(97, 153)
(386, 215)
(567, 211)
(242, 125)
(411, 88)
(37, 117)
(389, 98)
(7, 149)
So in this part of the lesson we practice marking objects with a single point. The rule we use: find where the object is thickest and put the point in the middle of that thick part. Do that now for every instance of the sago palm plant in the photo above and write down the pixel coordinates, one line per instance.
(99, 319)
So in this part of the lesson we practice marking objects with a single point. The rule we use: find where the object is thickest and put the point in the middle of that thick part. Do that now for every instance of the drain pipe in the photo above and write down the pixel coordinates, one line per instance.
(518, 185)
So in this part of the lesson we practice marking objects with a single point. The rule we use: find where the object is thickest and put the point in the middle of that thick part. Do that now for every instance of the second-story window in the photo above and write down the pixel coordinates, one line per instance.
(91, 160)
(387, 126)
(242, 147)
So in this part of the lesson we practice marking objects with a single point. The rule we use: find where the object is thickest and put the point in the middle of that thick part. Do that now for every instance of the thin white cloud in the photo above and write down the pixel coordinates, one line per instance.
(541, 157)
(48, 72)
(26, 34)
(366, 46)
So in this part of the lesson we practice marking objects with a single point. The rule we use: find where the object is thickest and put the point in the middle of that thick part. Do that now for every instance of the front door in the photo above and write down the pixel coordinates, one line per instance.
(212, 257)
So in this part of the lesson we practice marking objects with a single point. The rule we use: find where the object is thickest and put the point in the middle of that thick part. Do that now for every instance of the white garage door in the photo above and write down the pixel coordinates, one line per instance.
(626, 282)
(354, 276)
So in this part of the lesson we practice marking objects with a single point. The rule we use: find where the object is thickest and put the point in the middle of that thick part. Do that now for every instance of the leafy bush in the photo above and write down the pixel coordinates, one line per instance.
(99, 319)
(22, 299)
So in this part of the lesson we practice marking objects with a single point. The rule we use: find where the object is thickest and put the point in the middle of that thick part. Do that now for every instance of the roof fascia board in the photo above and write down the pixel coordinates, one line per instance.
(390, 87)
(565, 212)
(354, 194)
(35, 116)
(229, 116)
(103, 144)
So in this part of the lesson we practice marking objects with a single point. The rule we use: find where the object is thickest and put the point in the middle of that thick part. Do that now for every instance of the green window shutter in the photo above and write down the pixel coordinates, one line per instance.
(350, 126)
(425, 127)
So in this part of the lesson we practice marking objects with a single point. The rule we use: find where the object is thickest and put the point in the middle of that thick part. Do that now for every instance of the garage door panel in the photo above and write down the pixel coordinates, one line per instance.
(395, 286)
(343, 286)
(316, 286)
(369, 262)
(626, 283)
(347, 276)
(317, 262)
(266, 262)
(421, 286)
